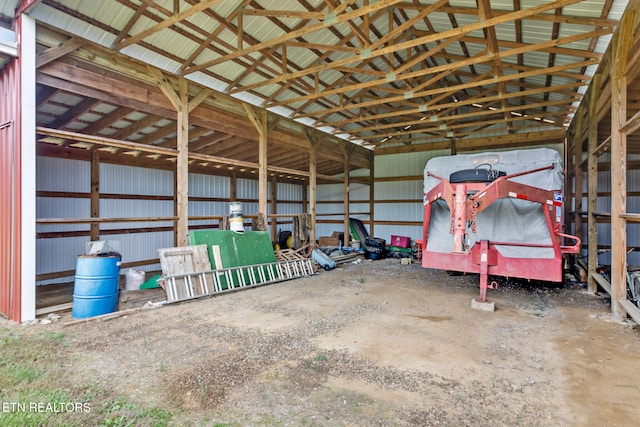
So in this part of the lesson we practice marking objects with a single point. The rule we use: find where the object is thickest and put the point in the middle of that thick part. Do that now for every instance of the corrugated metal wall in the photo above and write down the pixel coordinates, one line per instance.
(211, 187)
(603, 205)
(61, 175)
(155, 190)
(10, 190)
(408, 193)
(64, 175)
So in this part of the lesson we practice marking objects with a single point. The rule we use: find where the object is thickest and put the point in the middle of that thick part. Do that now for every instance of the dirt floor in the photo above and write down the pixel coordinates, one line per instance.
(374, 343)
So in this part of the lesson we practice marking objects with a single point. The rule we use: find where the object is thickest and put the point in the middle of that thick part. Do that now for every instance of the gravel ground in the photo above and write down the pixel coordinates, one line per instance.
(374, 343)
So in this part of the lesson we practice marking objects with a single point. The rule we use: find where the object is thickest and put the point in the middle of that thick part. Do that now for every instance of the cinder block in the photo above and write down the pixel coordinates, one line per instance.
(483, 306)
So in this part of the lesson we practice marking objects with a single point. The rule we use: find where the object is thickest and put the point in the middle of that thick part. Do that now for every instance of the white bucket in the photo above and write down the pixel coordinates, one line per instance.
(134, 278)
(235, 209)
(236, 222)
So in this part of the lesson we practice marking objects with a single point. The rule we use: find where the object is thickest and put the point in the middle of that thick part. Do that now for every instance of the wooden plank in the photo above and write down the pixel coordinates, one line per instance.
(274, 207)
(620, 44)
(347, 149)
(631, 217)
(102, 220)
(633, 124)
(258, 117)
(592, 177)
(372, 192)
(182, 165)
(54, 308)
(185, 260)
(166, 23)
(395, 47)
(56, 52)
(604, 283)
(631, 310)
(95, 194)
(577, 179)
(96, 81)
(111, 316)
(313, 140)
(293, 35)
(603, 147)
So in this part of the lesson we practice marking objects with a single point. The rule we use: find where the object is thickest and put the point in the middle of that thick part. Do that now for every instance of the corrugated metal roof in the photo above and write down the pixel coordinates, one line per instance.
(330, 68)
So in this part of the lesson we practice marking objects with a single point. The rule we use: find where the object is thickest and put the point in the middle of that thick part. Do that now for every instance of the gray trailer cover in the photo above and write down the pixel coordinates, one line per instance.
(506, 220)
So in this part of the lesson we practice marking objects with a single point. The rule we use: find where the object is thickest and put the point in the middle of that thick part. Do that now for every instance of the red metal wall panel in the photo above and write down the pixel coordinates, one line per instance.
(10, 192)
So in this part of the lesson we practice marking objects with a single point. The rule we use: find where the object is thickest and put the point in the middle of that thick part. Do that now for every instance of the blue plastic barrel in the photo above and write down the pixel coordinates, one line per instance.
(95, 290)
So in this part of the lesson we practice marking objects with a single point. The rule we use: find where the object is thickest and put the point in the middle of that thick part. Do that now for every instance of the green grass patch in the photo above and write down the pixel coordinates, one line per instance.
(35, 389)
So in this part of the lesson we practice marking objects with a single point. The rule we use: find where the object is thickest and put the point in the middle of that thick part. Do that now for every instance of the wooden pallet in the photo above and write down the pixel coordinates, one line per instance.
(293, 254)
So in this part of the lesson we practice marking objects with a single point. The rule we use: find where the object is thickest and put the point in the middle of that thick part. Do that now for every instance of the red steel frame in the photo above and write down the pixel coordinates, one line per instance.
(484, 258)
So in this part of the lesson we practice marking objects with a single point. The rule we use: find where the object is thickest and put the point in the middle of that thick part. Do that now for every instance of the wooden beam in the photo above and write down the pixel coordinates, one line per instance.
(72, 113)
(95, 194)
(258, 118)
(199, 7)
(182, 165)
(383, 51)
(56, 52)
(274, 207)
(577, 178)
(314, 140)
(147, 99)
(372, 193)
(592, 158)
(620, 43)
(107, 142)
(104, 220)
(347, 150)
(431, 106)
(293, 35)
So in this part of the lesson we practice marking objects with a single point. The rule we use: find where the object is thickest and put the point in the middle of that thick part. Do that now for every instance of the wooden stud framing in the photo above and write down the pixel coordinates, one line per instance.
(258, 118)
(95, 194)
(274, 208)
(347, 150)
(621, 44)
(592, 250)
(372, 193)
(182, 169)
(313, 140)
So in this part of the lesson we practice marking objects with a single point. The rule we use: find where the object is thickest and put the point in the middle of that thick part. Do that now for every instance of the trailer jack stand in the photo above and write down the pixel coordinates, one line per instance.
(481, 302)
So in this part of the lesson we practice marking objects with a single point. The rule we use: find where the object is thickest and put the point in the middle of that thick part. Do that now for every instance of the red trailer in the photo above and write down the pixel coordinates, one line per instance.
(496, 214)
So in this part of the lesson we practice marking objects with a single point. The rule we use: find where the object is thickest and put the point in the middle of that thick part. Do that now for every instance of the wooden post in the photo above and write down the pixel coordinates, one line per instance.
(95, 194)
(274, 208)
(175, 204)
(258, 118)
(182, 164)
(233, 187)
(305, 197)
(313, 138)
(621, 43)
(347, 149)
(183, 106)
(372, 193)
(592, 244)
(577, 176)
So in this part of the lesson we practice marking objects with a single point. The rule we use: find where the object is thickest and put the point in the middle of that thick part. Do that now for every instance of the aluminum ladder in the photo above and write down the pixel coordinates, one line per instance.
(181, 287)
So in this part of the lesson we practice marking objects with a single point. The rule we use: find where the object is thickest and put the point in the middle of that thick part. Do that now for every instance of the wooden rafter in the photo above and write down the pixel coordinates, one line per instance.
(367, 69)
